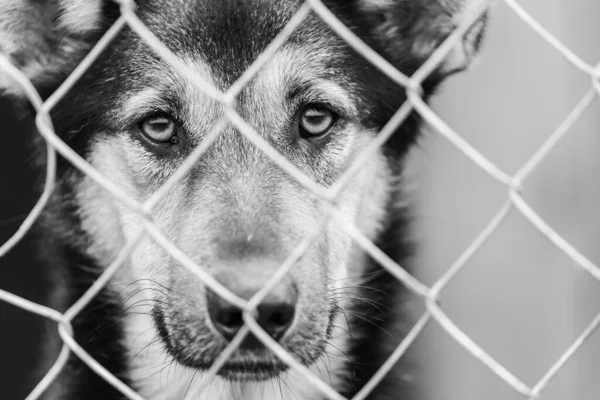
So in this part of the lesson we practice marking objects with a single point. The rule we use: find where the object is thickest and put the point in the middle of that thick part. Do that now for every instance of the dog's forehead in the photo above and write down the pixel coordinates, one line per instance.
(227, 34)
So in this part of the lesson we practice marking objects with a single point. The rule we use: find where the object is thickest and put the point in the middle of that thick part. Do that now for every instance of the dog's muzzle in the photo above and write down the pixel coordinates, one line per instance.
(196, 326)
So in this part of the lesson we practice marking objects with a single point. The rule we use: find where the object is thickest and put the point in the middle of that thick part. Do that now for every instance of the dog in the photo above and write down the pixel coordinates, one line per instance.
(135, 118)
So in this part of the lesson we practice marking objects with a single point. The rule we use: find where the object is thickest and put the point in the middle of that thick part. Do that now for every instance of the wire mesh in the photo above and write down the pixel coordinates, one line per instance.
(514, 185)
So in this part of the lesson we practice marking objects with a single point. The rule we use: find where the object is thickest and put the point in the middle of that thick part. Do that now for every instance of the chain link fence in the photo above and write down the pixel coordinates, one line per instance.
(514, 185)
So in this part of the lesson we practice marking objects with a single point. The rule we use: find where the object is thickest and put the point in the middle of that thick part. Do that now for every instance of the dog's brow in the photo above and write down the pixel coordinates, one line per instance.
(326, 91)
(194, 67)
(170, 86)
(310, 79)
(142, 102)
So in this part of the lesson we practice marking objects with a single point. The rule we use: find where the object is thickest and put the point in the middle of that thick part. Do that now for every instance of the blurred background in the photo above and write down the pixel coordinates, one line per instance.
(519, 298)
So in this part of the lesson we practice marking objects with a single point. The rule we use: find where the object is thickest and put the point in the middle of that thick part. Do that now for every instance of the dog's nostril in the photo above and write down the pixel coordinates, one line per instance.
(226, 318)
(228, 321)
(275, 318)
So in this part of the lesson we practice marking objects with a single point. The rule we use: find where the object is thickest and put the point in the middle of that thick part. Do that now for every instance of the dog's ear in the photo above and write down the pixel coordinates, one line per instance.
(407, 32)
(46, 39)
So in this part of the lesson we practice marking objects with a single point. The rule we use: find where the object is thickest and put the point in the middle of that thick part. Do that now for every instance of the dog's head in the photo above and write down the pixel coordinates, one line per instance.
(236, 214)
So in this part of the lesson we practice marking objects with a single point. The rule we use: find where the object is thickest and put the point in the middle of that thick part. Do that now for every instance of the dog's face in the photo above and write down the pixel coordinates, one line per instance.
(236, 214)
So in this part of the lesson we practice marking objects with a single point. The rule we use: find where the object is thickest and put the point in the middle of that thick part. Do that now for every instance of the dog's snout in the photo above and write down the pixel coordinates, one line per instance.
(275, 313)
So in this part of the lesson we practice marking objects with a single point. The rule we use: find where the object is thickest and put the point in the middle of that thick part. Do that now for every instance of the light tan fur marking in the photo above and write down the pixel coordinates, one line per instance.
(80, 16)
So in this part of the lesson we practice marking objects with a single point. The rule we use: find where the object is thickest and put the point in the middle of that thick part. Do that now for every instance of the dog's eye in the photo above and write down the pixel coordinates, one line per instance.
(160, 129)
(316, 120)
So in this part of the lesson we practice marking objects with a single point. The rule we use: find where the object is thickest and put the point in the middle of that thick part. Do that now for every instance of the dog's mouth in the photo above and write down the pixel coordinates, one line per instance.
(252, 371)
(256, 364)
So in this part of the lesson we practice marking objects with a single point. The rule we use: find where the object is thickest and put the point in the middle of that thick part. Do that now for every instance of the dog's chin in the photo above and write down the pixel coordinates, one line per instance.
(242, 367)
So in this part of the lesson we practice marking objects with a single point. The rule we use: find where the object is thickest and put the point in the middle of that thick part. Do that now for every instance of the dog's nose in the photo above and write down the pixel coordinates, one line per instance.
(275, 312)
(275, 317)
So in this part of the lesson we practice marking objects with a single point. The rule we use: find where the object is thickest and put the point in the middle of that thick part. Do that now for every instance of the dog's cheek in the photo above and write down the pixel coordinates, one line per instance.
(101, 216)
(362, 205)
(111, 224)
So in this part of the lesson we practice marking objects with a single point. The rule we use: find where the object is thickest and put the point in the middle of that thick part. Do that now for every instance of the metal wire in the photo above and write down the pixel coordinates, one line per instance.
(515, 202)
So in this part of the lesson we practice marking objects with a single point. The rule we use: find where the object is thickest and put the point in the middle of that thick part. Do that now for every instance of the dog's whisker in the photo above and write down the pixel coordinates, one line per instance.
(189, 385)
(341, 296)
(361, 276)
